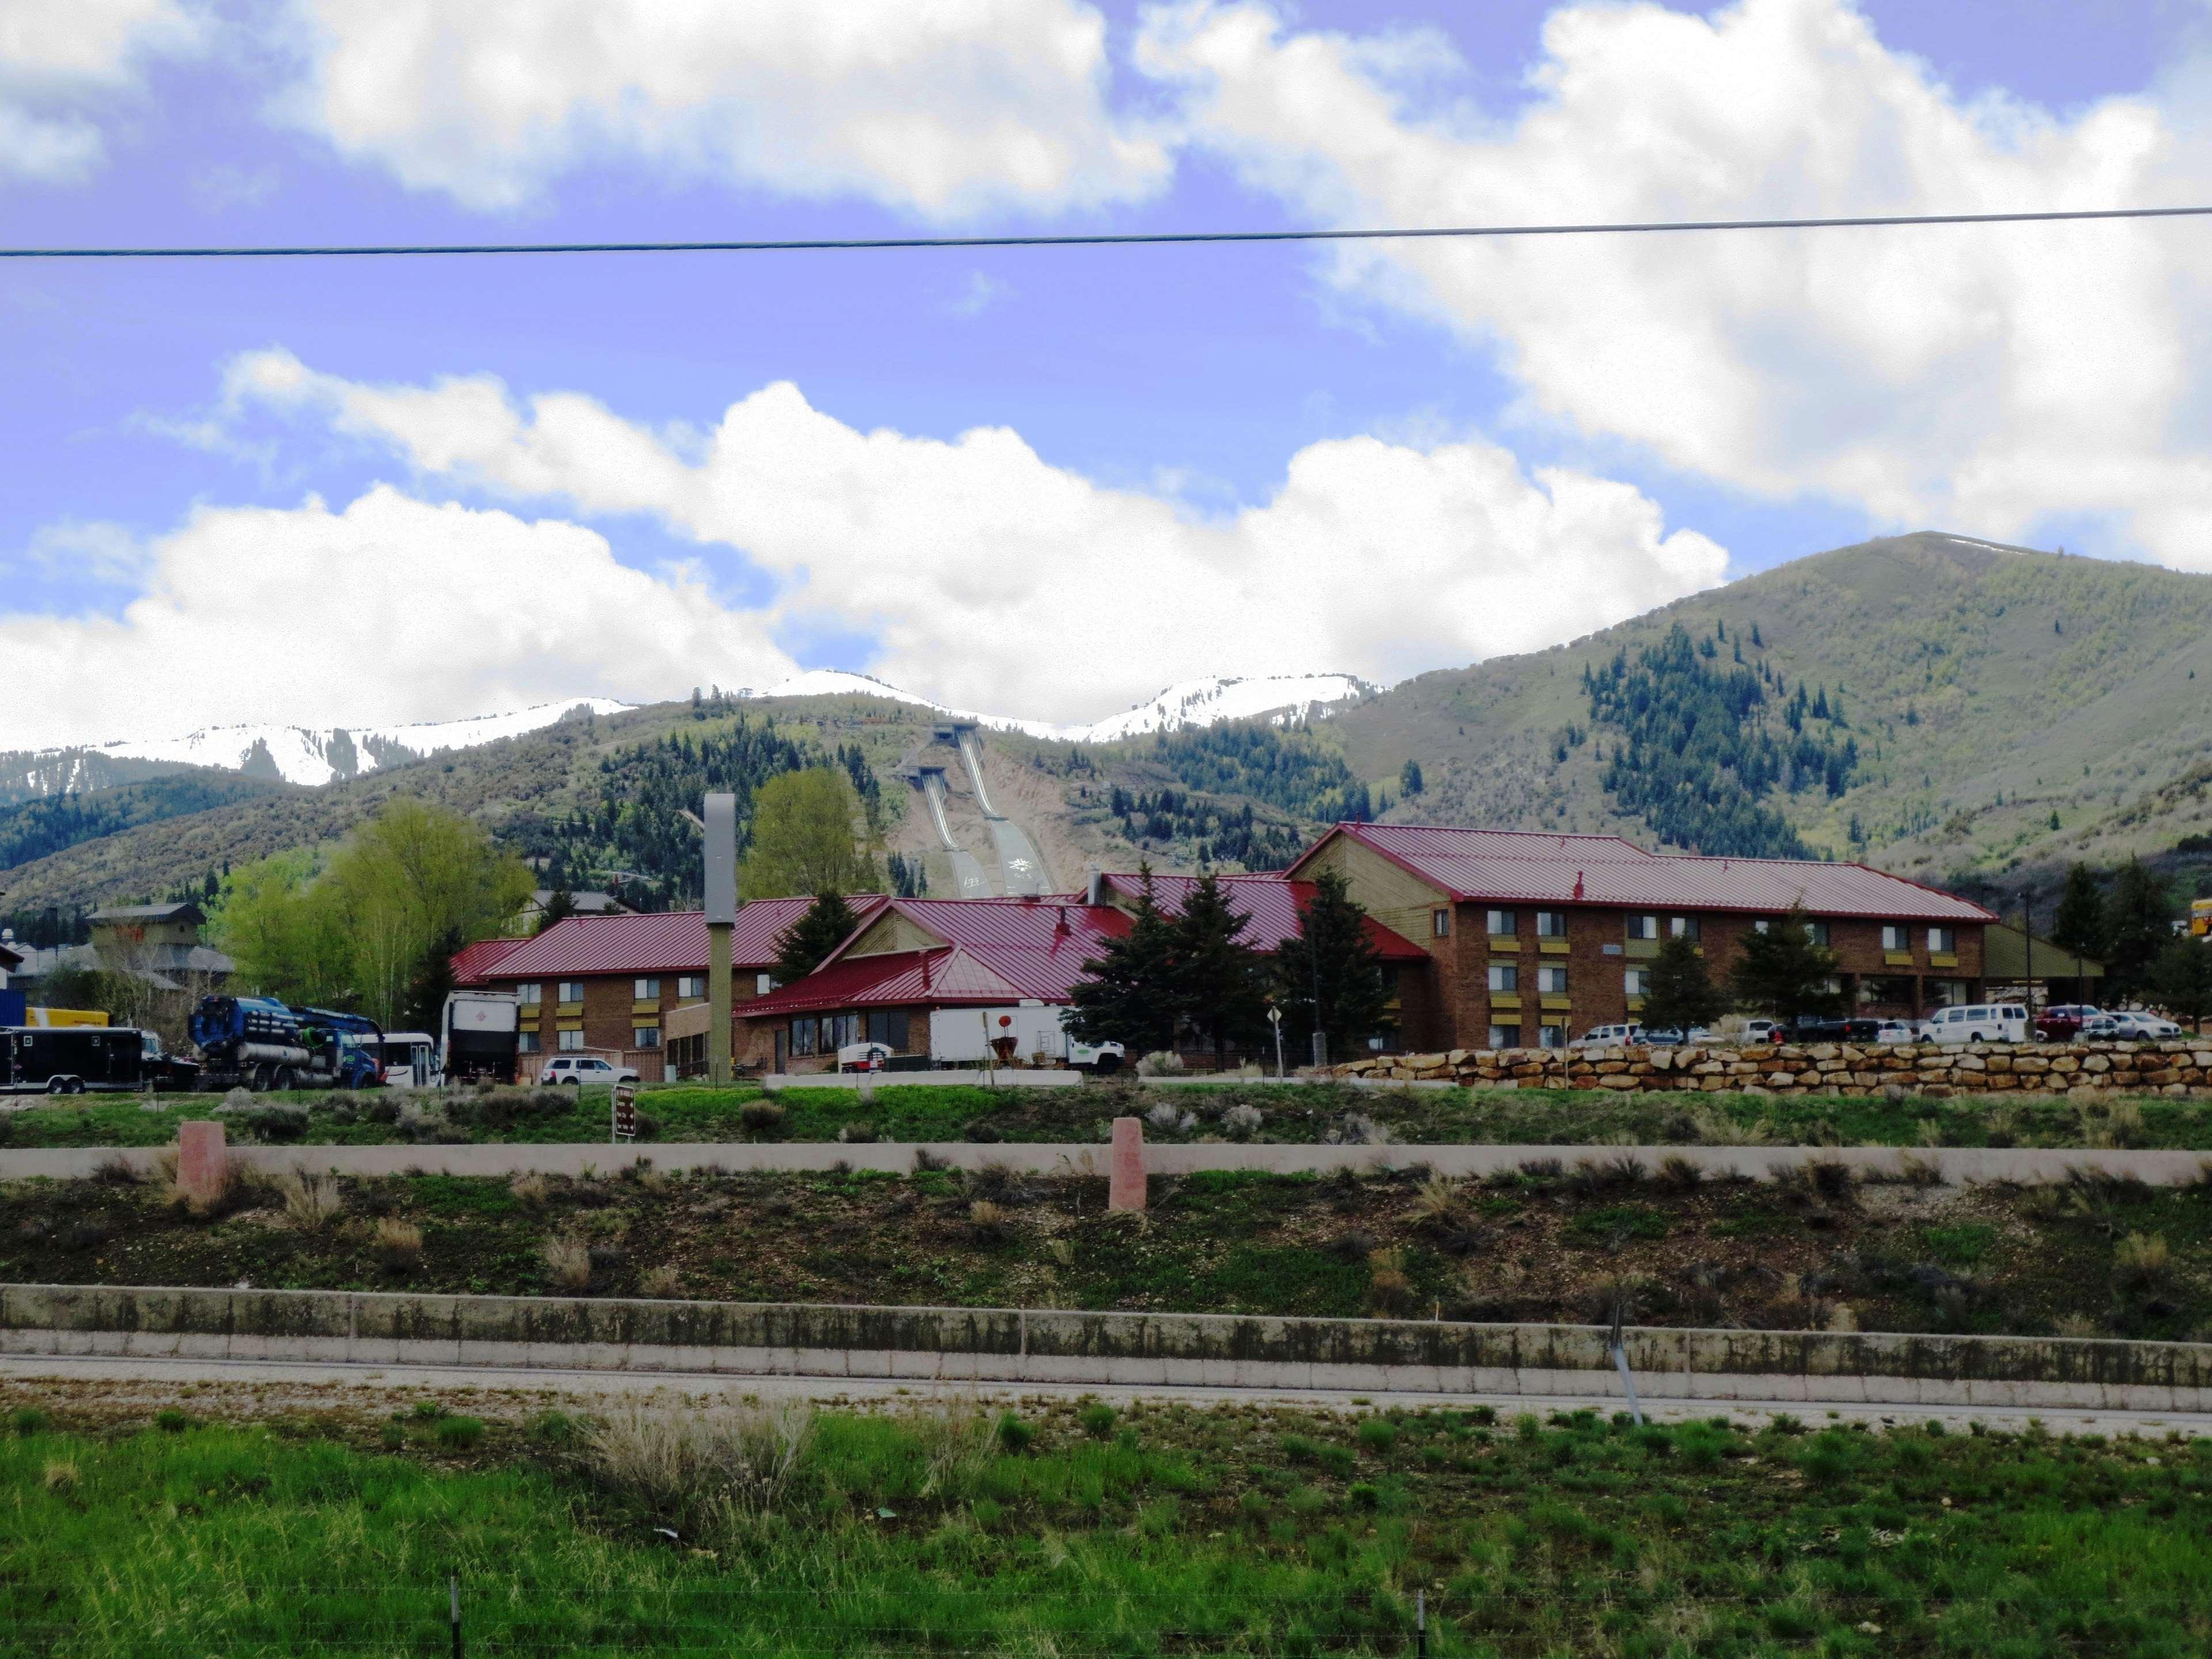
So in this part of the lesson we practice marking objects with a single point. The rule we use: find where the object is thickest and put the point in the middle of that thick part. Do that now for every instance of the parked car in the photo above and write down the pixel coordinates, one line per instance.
(1763, 1030)
(1976, 1022)
(1857, 1029)
(2129, 1027)
(1609, 1036)
(579, 1069)
(2062, 1022)
(1895, 1031)
(1668, 1037)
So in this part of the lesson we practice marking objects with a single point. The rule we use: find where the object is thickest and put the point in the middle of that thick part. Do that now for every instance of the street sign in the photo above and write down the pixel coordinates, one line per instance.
(625, 1123)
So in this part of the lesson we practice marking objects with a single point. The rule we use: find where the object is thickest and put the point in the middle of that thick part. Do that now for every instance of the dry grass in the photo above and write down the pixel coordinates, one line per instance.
(531, 1191)
(991, 1221)
(696, 1467)
(663, 1283)
(2077, 1325)
(1679, 1172)
(1440, 1201)
(567, 1263)
(2142, 1259)
(311, 1202)
(1388, 1288)
(60, 1476)
(397, 1245)
(955, 1438)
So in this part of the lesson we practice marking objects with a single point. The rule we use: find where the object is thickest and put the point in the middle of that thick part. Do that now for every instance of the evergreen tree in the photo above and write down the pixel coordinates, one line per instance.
(559, 905)
(432, 982)
(1130, 991)
(1327, 975)
(2079, 925)
(803, 945)
(2139, 926)
(1222, 992)
(2181, 979)
(1680, 994)
(1409, 780)
(1784, 973)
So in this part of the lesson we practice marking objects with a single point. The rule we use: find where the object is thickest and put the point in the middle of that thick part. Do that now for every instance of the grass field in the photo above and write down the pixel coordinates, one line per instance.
(1548, 1243)
(1297, 1114)
(1076, 1531)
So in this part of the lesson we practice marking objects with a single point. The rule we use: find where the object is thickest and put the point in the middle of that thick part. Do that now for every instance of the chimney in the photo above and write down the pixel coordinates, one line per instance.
(1094, 885)
(1578, 883)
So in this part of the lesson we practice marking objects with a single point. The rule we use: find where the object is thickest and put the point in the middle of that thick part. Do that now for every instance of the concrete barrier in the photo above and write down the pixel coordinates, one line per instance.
(1006, 1078)
(1950, 1165)
(1017, 1345)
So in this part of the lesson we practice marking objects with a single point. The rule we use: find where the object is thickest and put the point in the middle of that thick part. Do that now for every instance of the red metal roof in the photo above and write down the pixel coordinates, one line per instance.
(1531, 867)
(1270, 904)
(668, 942)
(904, 979)
(474, 961)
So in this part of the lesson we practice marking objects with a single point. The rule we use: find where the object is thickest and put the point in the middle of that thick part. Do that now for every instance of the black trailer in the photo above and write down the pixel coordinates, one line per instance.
(68, 1060)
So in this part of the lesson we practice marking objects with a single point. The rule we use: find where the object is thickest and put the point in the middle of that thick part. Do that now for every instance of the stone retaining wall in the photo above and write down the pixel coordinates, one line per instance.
(2181, 1069)
(1166, 1350)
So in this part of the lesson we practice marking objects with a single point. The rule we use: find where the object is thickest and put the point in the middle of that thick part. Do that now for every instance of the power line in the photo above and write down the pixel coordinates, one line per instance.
(1133, 238)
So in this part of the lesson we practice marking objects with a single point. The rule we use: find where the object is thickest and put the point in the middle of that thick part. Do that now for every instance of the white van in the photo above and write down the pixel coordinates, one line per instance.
(1976, 1022)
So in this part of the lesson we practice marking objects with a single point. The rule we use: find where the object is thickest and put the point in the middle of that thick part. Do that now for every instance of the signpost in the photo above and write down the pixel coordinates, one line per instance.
(1275, 1019)
(624, 1126)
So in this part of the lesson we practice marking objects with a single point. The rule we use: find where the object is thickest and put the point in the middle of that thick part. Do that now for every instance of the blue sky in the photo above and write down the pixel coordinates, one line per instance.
(1240, 451)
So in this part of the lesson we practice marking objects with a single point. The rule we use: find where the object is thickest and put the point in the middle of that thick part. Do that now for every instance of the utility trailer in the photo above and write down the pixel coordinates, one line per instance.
(261, 1043)
(1029, 1033)
(70, 1060)
(482, 1037)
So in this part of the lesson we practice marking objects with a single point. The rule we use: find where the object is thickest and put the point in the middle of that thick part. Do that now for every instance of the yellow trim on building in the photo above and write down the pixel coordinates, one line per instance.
(570, 1011)
(1553, 947)
(1640, 948)
(1944, 960)
(1558, 1002)
(646, 1006)
(1505, 1000)
(1897, 959)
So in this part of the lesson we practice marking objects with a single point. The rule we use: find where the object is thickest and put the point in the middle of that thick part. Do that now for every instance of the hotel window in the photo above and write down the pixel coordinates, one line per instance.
(1551, 924)
(572, 990)
(1440, 924)
(528, 1045)
(1636, 981)
(1644, 927)
(571, 1042)
(838, 1030)
(1894, 937)
(645, 1036)
(1505, 976)
(1818, 932)
(1684, 927)
(532, 996)
(693, 986)
(1500, 924)
(1550, 1037)
(1942, 941)
(804, 1031)
(646, 990)
(1505, 1037)
(1551, 981)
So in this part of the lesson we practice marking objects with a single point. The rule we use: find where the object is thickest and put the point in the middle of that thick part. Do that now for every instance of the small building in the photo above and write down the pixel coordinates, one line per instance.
(581, 903)
(609, 983)
(159, 943)
(1533, 937)
(2045, 971)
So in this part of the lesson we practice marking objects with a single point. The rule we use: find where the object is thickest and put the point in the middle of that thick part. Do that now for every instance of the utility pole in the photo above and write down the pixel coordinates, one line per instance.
(2027, 932)
(721, 894)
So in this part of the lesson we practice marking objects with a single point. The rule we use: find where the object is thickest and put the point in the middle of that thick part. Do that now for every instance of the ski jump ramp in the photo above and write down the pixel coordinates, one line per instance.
(965, 869)
(1021, 866)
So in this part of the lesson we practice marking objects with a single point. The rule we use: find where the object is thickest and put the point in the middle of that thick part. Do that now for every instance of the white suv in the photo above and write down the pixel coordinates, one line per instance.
(1609, 1036)
(1976, 1022)
(580, 1069)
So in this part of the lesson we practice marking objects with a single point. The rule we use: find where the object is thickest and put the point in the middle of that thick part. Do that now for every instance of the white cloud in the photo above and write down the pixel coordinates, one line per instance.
(58, 56)
(393, 610)
(944, 109)
(993, 580)
(1981, 379)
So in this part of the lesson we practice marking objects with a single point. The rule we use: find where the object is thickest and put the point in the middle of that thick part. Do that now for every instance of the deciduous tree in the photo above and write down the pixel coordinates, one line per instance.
(805, 837)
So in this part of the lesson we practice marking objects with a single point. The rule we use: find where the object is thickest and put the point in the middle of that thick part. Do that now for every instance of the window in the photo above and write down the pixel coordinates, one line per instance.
(1551, 980)
(1551, 924)
(1505, 1037)
(1818, 932)
(572, 990)
(646, 990)
(1644, 927)
(838, 1030)
(804, 1031)
(1684, 927)
(1942, 941)
(528, 1043)
(571, 1041)
(1440, 924)
(887, 1026)
(1505, 976)
(1894, 937)
(1636, 981)
(762, 984)
(645, 1036)
(1552, 1036)
(1500, 924)
(532, 996)
(690, 986)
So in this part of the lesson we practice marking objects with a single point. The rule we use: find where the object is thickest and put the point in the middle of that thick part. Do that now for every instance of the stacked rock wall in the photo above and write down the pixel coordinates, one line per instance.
(2180, 1069)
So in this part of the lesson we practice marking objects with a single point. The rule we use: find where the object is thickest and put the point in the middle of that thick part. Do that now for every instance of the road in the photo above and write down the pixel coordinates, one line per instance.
(276, 1385)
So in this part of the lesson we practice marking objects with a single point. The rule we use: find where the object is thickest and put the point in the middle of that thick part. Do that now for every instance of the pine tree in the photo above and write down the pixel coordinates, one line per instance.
(2139, 926)
(1129, 992)
(559, 905)
(432, 982)
(2079, 925)
(1221, 993)
(1328, 973)
(1409, 779)
(1680, 994)
(825, 926)
(1783, 972)
(2181, 979)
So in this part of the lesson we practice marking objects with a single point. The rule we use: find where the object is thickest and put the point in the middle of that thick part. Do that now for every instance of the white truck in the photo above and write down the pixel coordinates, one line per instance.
(1024, 1033)
(482, 1032)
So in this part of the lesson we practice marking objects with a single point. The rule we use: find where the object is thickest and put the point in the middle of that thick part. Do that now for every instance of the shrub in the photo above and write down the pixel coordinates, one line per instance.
(1679, 1172)
(1241, 1121)
(981, 1132)
(277, 1123)
(381, 1109)
(1168, 1120)
(393, 1435)
(1015, 1434)
(988, 1219)
(1388, 1289)
(116, 1170)
(1161, 1062)
(1097, 1419)
(2142, 1259)
(567, 1263)
(460, 1433)
(1438, 1203)
(552, 1428)
(311, 1202)
(529, 1191)
(857, 1134)
(689, 1465)
(26, 1420)
(397, 1245)
(170, 1420)
(60, 1476)
(662, 1282)
(1378, 1435)
(761, 1116)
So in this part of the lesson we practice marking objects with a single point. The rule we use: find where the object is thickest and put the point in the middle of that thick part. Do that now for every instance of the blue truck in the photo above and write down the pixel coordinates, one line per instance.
(258, 1042)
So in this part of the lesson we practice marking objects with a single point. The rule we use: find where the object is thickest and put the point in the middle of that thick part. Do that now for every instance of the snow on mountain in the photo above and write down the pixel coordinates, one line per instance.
(301, 754)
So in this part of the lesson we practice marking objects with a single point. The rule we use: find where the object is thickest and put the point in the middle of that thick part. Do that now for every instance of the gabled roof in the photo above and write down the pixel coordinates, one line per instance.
(474, 961)
(900, 979)
(666, 942)
(1520, 866)
(1271, 905)
(182, 910)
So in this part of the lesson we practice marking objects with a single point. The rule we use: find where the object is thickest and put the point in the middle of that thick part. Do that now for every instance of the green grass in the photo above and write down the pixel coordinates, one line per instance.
(1293, 1114)
(1244, 1532)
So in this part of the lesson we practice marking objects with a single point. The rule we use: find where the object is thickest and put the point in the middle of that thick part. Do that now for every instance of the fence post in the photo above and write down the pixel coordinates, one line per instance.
(1420, 1625)
(454, 1586)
